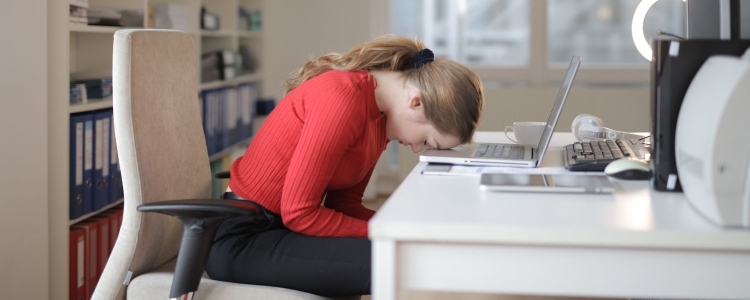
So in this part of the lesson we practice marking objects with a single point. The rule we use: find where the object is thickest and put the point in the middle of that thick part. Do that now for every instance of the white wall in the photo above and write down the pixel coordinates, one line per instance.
(294, 30)
(23, 151)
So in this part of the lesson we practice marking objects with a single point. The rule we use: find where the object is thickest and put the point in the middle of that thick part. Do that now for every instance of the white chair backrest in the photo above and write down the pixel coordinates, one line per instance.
(160, 144)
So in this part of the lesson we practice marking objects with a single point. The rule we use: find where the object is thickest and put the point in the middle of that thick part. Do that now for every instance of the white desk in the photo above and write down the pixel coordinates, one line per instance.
(441, 233)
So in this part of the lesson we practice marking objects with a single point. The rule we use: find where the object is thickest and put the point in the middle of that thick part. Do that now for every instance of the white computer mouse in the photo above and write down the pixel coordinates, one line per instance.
(628, 169)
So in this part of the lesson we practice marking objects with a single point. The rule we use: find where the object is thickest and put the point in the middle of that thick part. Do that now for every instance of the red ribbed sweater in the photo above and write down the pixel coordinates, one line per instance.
(322, 140)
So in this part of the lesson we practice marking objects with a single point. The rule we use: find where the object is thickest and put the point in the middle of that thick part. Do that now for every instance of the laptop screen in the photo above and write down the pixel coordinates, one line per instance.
(557, 107)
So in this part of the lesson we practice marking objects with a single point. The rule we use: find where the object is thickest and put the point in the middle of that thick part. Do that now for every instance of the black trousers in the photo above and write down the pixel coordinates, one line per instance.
(260, 250)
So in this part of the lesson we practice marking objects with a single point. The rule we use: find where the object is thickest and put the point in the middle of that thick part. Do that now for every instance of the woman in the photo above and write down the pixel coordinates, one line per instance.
(320, 145)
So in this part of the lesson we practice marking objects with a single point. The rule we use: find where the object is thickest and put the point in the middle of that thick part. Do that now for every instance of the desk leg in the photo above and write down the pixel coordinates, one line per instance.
(383, 269)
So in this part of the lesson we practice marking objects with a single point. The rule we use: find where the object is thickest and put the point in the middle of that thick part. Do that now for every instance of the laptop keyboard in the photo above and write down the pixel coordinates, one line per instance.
(500, 151)
(596, 155)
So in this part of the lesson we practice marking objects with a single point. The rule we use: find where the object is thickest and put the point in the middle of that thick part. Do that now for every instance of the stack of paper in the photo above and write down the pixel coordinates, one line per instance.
(78, 11)
(456, 170)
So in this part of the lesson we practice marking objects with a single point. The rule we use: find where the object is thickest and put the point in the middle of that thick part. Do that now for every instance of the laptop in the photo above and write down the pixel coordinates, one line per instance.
(507, 155)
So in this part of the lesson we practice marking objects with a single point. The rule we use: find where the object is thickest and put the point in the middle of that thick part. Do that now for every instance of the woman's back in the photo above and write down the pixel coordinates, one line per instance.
(325, 135)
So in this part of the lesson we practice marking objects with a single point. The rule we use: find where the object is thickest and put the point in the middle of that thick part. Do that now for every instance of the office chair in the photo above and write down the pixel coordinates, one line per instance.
(163, 158)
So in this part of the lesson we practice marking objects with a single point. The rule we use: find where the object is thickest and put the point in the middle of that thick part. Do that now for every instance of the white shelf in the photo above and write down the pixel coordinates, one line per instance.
(217, 33)
(221, 154)
(73, 27)
(91, 105)
(249, 34)
(85, 52)
(252, 77)
(94, 213)
(231, 82)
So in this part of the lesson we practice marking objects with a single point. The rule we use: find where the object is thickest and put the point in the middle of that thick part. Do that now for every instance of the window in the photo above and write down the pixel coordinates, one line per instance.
(532, 41)
(485, 32)
(600, 31)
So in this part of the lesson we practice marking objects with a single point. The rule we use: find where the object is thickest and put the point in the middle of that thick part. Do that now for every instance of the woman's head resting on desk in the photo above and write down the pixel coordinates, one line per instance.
(428, 101)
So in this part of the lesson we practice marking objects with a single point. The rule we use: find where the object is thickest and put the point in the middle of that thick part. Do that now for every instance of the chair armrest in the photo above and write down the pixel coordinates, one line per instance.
(200, 219)
(222, 175)
(201, 208)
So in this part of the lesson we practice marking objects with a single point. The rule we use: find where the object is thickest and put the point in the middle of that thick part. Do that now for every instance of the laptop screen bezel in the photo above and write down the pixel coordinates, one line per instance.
(554, 115)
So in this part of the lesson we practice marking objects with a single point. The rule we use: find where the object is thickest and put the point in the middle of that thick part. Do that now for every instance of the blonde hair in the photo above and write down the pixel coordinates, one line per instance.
(451, 94)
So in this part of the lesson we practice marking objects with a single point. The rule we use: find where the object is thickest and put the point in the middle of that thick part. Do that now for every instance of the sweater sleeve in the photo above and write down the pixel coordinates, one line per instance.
(349, 201)
(332, 123)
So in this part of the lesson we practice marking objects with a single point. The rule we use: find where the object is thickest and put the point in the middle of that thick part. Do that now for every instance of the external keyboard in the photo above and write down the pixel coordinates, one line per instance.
(596, 155)
(500, 151)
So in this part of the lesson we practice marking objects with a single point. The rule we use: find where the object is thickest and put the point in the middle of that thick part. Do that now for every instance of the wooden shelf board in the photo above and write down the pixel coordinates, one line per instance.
(91, 105)
(223, 83)
(248, 78)
(217, 33)
(94, 213)
(73, 27)
(249, 34)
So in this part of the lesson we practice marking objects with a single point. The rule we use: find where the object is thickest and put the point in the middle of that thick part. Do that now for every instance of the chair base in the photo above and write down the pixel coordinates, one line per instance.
(188, 296)
(155, 285)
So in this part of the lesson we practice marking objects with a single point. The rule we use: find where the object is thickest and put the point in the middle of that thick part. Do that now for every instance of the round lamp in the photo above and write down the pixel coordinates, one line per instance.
(639, 39)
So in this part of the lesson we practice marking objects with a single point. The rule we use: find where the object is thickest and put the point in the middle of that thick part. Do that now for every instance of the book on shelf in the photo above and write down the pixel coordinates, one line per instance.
(99, 88)
(209, 21)
(98, 16)
(219, 65)
(250, 20)
(94, 169)
(227, 114)
(264, 106)
(98, 234)
(230, 117)
(102, 247)
(247, 95)
(78, 93)
(101, 158)
(115, 181)
(79, 3)
(80, 177)
(91, 231)
(104, 17)
(249, 63)
(77, 265)
(218, 109)
(115, 221)
(78, 14)
(211, 74)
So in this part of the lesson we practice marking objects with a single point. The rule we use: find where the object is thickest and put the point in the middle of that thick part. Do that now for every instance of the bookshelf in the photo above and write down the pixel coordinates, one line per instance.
(92, 29)
(91, 105)
(218, 33)
(85, 51)
(250, 34)
(253, 77)
(91, 214)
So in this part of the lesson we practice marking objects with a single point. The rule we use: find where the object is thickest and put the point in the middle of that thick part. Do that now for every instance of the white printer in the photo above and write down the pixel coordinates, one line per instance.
(712, 141)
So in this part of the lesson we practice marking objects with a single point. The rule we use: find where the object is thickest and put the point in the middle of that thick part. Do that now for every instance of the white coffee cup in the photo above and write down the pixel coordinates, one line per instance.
(526, 133)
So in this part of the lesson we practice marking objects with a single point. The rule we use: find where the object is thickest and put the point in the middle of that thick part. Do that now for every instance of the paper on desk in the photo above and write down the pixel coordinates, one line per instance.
(552, 164)
(456, 170)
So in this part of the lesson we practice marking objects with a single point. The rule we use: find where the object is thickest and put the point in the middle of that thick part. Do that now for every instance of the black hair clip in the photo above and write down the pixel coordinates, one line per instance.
(422, 57)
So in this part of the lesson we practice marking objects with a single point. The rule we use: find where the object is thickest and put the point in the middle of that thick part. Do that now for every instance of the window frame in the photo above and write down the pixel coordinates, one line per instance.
(539, 72)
